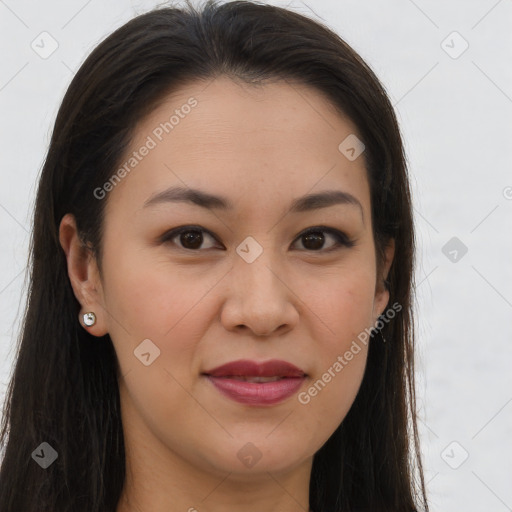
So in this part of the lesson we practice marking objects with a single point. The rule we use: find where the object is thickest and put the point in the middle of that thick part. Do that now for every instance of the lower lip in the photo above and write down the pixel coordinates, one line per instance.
(257, 393)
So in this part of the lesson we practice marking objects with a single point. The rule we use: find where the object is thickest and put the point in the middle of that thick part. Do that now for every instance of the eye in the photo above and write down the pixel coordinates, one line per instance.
(190, 237)
(313, 239)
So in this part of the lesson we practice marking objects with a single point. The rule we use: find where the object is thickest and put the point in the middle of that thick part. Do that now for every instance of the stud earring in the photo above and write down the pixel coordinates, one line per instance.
(89, 319)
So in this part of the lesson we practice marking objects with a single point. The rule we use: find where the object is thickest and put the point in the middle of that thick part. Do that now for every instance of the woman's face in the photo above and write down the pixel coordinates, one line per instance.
(243, 282)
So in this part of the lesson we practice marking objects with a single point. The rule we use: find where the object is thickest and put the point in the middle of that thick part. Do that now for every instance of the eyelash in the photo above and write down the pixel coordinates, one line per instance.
(342, 240)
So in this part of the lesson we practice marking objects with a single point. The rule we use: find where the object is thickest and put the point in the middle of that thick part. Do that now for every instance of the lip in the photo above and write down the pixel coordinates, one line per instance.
(257, 393)
(248, 368)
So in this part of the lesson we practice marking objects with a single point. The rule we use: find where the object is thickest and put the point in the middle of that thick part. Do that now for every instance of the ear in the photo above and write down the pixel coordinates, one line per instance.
(381, 290)
(83, 274)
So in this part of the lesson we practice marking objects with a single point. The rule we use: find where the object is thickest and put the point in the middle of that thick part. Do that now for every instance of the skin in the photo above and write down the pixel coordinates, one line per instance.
(261, 147)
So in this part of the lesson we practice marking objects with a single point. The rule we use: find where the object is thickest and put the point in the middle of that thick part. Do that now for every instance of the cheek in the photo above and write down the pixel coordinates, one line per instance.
(148, 292)
(330, 394)
(344, 309)
(343, 302)
(150, 300)
(157, 304)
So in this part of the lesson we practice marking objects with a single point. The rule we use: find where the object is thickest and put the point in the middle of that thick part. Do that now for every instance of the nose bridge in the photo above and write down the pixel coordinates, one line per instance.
(257, 296)
(257, 268)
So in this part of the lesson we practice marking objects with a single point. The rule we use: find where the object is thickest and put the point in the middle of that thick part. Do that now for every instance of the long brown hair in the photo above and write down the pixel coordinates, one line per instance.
(63, 389)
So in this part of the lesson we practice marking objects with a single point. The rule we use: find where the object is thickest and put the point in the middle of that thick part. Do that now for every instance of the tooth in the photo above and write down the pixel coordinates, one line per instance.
(256, 379)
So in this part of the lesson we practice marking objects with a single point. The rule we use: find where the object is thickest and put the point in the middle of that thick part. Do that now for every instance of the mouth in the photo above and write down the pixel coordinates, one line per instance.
(257, 384)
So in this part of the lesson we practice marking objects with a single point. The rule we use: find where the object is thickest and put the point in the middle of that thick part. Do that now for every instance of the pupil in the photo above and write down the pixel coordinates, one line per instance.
(189, 237)
(318, 240)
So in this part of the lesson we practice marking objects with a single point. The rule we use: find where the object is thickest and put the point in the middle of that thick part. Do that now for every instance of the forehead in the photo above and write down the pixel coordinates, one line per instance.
(270, 142)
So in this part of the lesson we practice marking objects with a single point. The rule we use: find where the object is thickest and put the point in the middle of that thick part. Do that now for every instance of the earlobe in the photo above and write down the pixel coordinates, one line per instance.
(83, 276)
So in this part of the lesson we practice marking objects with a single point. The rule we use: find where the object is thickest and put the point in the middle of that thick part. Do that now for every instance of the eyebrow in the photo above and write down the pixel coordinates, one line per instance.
(203, 199)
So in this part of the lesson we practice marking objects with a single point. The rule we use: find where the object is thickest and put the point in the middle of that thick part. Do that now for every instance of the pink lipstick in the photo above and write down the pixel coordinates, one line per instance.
(254, 383)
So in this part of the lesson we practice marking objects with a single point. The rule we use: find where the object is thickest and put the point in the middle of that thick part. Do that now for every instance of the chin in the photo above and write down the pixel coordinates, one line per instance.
(260, 456)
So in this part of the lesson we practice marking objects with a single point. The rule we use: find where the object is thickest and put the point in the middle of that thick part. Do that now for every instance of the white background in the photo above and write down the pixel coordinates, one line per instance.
(455, 115)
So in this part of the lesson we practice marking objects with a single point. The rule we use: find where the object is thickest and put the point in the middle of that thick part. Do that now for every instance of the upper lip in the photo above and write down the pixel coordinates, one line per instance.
(248, 368)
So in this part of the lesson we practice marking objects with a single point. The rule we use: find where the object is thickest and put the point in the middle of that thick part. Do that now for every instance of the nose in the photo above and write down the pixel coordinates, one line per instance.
(259, 300)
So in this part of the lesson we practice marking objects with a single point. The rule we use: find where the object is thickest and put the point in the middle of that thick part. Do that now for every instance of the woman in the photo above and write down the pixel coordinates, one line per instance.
(219, 315)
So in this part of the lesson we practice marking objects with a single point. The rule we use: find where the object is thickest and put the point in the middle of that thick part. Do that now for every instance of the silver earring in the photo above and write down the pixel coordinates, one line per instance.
(89, 319)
